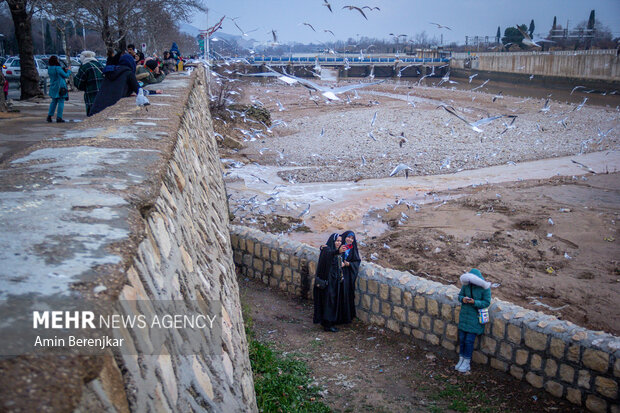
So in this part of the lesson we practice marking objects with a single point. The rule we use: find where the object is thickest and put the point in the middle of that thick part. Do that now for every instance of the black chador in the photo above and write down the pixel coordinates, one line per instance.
(352, 260)
(328, 283)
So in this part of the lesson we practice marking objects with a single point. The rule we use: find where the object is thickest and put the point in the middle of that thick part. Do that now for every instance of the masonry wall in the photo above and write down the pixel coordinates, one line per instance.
(153, 179)
(594, 65)
(566, 360)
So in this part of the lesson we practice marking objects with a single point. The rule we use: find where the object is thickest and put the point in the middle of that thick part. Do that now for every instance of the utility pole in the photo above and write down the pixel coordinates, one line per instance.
(84, 35)
(43, 34)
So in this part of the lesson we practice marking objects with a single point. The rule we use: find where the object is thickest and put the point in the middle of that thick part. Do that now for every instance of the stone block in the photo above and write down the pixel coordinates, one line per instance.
(596, 360)
(273, 282)
(417, 334)
(405, 330)
(505, 351)
(516, 372)
(452, 332)
(557, 347)
(438, 326)
(498, 364)
(399, 314)
(583, 380)
(606, 387)
(373, 287)
(535, 340)
(362, 315)
(413, 318)
(266, 252)
(534, 379)
(247, 260)
(376, 305)
(294, 262)
(273, 256)
(361, 283)
(366, 301)
(426, 323)
(393, 325)
(237, 257)
(433, 339)
(446, 312)
(433, 307)
(457, 312)
(242, 244)
(407, 299)
(567, 373)
(535, 362)
(514, 334)
(378, 320)
(296, 278)
(249, 246)
(386, 309)
(551, 368)
(617, 367)
(554, 388)
(573, 395)
(384, 292)
(488, 345)
(596, 404)
(479, 358)
(287, 275)
(396, 295)
(284, 259)
(258, 248)
(277, 271)
(573, 353)
(257, 264)
(447, 344)
(499, 328)
(291, 289)
(420, 303)
(234, 241)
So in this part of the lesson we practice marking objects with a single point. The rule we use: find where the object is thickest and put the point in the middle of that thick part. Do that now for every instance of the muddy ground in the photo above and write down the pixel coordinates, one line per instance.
(367, 369)
(551, 243)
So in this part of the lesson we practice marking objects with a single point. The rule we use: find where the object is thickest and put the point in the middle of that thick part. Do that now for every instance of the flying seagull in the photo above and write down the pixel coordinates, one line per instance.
(472, 125)
(329, 31)
(528, 41)
(310, 26)
(441, 26)
(329, 6)
(275, 36)
(356, 8)
(371, 8)
(401, 167)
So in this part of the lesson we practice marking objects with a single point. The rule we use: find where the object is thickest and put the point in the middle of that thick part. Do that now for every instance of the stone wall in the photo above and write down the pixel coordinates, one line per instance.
(566, 360)
(130, 206)
(602, 65)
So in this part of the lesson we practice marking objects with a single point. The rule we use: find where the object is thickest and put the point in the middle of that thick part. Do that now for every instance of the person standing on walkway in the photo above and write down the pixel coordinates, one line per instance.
(327, 283)
(58, 89)
(351, 265)
(475, 295)
(89, 78)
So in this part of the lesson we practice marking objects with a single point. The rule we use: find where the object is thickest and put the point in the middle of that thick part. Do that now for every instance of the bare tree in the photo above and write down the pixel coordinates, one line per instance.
(22, 12)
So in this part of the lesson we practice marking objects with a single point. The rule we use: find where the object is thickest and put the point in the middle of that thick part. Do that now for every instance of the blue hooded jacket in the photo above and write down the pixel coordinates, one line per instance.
(118, 82)
(474, 286)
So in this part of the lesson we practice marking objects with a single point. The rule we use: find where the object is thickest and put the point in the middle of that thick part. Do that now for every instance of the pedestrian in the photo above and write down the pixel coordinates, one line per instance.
(58, 89)
(150, 73)
(118, 82)
(351, 264)
(327, 283)
(5, 86)
(169, 65)
(475, 297)
(89, 78)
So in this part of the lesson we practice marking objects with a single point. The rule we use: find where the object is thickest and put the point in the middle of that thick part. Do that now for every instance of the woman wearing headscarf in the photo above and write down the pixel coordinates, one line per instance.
(89, 78)
(58, 89)
(118, 82)
(327, 283)
(351, 266)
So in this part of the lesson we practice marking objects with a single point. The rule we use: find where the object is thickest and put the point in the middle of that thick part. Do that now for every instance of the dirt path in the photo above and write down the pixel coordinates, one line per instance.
(367, 369)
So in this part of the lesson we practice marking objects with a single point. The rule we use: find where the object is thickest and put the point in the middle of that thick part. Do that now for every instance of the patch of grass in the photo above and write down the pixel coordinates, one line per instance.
(281, 383)
(464, 398)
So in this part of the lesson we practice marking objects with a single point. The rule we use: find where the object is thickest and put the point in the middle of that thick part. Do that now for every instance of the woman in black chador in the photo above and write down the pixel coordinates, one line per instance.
(328, 283)
(351, 266)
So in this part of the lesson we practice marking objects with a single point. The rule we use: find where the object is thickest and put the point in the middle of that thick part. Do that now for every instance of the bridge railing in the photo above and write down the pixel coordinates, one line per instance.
(340, 60)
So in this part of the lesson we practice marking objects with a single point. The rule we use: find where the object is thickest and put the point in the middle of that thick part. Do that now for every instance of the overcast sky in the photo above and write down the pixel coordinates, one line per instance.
(464, 17)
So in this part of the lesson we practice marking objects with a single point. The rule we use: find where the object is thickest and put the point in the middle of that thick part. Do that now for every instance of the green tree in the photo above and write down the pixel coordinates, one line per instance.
(555, 23)
(498, 35)
(590, 30)
(591, 20)
(532, 29)
(513, 36)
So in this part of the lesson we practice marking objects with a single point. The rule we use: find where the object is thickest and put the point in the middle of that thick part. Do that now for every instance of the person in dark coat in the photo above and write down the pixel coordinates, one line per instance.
(119, 82)
(351, 265)
(329, 268)
(89, 78)
(474, 295)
